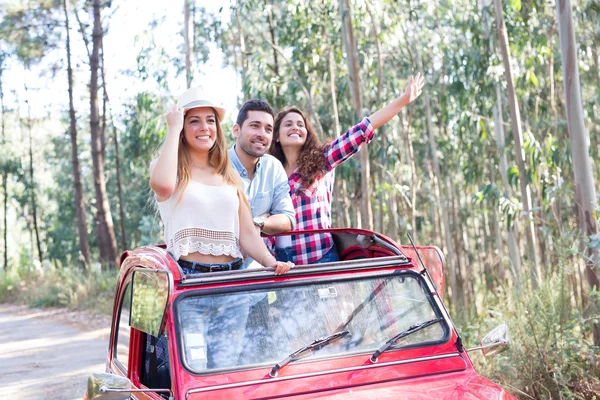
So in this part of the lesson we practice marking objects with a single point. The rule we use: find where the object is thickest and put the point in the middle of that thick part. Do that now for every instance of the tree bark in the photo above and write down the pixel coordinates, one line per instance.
(382, 135)
(119, 190)
(4, 171)
(32, 181)
(84, 247)
(275, 60)
(105, 231)
(413, 173)
(585, 189)
(242, 40)
(440, 203)
(353, 75)
(187, 43)
(535, 273)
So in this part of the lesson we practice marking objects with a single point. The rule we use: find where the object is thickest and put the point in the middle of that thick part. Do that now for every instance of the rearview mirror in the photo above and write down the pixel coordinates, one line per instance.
(496, 341)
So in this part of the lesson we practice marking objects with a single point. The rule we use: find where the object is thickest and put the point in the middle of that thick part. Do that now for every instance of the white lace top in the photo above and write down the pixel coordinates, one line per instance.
(205, 221)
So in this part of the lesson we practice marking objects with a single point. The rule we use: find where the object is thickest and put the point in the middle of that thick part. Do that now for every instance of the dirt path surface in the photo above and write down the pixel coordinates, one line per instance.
(49, 353)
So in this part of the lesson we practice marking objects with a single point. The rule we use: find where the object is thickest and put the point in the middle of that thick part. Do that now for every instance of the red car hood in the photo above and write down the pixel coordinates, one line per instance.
(452, 386)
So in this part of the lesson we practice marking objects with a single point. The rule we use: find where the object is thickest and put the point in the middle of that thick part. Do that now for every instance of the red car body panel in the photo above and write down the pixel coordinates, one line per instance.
(440, 371)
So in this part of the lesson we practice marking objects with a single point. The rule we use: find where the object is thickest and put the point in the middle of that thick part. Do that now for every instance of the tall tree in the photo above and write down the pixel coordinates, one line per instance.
(188, 40)
(585, 189)
(514, 253)
(3, 56)
(32, 185)
(84, 247)
(106, 236)
(536, 275)
(366, 211)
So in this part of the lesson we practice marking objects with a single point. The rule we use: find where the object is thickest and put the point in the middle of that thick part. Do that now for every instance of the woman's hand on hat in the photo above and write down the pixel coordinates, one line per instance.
(414, 87)
(175, 118)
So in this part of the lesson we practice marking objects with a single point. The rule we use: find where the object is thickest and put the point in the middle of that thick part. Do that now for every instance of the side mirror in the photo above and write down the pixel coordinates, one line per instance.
(107, 387)
(496, 341)
(114, 387)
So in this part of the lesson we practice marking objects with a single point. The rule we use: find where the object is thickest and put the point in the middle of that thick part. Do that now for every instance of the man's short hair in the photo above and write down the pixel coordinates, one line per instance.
(253, 105)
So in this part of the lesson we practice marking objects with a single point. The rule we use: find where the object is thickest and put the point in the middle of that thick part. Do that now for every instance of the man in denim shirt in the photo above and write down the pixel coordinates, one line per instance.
(264, 177)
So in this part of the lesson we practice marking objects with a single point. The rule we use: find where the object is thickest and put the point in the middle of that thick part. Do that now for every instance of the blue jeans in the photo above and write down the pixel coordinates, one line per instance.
(283, 254)
(330, 256)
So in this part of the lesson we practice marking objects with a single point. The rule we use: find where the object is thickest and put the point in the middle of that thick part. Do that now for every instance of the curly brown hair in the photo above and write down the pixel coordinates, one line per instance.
(311, 162)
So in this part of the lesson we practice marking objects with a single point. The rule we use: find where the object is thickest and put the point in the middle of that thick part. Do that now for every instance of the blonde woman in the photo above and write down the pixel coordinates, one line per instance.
(200, 197)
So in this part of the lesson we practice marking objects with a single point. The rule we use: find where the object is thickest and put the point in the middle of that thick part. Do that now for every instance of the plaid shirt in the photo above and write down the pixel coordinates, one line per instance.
(313, 204)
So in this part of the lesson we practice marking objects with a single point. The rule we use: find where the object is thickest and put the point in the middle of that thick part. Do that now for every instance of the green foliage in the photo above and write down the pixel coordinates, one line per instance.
(62, 286)
(549, 356)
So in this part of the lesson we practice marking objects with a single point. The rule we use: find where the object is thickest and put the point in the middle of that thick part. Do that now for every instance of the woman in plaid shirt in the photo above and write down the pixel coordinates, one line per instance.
(310, 168)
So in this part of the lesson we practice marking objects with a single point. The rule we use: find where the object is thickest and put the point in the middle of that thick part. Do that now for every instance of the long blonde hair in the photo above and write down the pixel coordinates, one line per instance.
(218, 158)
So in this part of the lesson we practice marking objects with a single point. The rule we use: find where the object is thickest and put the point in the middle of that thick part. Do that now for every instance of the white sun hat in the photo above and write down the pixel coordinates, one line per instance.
(194, 98)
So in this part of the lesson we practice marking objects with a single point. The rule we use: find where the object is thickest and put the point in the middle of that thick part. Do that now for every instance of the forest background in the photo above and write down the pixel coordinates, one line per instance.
(493, 164)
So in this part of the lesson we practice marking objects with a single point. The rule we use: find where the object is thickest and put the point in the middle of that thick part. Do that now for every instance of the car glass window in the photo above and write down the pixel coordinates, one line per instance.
(123, 329)
(265, 326)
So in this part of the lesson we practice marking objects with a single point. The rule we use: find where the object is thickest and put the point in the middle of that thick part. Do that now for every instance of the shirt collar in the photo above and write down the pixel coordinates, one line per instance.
(235, 160)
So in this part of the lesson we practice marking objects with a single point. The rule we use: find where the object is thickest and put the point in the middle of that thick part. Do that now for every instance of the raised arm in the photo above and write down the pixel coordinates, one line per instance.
(413, 90)
(163, 170)
(349, 143)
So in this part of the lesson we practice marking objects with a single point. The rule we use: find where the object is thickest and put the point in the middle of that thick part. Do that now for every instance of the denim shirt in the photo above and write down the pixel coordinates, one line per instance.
(268, 192)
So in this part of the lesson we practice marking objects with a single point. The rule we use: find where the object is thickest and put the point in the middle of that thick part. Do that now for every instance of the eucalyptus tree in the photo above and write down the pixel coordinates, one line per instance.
(366, 211)
(535, 271)
(78, 188)
(187, 42)
(585, 191)
(3, 56)
(105, 230)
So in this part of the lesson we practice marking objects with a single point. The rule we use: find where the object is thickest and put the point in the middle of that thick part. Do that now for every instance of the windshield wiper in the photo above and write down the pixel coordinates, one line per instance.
(317, 344)
(414, 328)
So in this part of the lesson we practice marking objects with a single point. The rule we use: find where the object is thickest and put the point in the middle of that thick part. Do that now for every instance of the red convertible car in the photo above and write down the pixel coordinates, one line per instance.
(372, 325)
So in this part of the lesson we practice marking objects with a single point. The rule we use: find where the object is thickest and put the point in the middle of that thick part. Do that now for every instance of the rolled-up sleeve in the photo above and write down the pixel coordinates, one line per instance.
(345, 146)
(282, 202)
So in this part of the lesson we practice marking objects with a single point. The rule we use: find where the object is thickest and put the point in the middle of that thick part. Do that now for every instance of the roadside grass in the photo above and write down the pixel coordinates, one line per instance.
(67, 287)
(551, 355)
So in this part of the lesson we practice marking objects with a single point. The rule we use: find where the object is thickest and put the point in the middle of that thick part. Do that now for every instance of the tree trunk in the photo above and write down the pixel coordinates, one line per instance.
(381, 166)
(4, 170)
(585, 189)
(32, 181)
(119, 190)
(106, 235)
(187, 42)
(242, 40)
(79, 203)
(440, 203)
(269, 8)
(514, 253)
(535, 273)
(353, 75)
(455, 248)
(413, 173)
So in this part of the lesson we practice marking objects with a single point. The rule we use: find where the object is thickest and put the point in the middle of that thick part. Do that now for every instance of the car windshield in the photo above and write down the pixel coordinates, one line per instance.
(232, 330)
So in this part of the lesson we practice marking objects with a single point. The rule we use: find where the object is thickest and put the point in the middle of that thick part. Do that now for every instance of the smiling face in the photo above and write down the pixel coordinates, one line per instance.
(200, 129)
(292, 131)
(256, 133)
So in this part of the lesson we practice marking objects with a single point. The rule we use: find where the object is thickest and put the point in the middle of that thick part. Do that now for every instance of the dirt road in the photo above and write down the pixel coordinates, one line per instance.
(49, 353)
